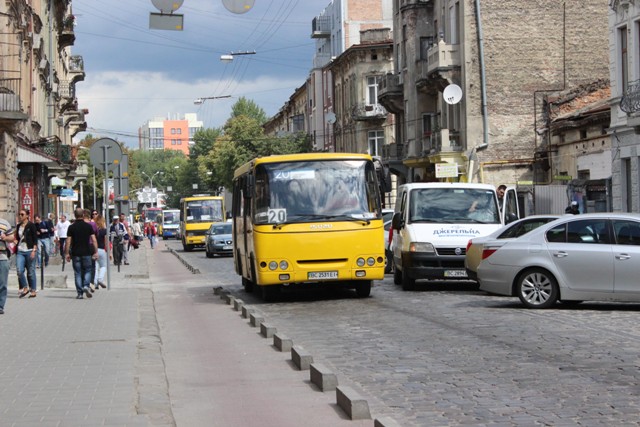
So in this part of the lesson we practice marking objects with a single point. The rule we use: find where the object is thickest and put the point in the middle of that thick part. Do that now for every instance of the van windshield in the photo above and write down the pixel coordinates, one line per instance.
(448, 205)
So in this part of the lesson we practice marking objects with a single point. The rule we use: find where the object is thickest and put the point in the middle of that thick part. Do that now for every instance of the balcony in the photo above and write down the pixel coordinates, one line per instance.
(10, 102)
(442, 58)
(76, 121)
(445, 141)
(67, 36)
(320, 27)
(394, 151)
(390, 93)
(59, 151)
(76, 68)
(368, 112)
(630, 101)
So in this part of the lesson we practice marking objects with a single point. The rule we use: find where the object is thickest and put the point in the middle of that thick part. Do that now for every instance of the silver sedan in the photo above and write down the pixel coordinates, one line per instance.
(502, 235)
(572, 259)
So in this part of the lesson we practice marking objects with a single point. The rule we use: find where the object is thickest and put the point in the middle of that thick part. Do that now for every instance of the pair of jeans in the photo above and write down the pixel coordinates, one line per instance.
(4, 278)
(82, 272)
(44, 246)
(24, 261)
(101, 268)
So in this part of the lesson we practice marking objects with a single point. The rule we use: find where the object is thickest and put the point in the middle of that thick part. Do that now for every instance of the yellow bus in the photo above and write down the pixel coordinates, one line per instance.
(197, 213)
(308, 219)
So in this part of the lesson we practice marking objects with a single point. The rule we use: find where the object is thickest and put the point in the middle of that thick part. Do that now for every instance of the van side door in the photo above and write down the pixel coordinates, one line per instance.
(509, 211)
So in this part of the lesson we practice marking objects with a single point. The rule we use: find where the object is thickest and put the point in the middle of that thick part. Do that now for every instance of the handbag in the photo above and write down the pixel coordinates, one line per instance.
(12, 248)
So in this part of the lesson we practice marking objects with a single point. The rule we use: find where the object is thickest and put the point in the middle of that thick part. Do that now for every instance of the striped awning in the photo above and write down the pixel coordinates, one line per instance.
(31, 155)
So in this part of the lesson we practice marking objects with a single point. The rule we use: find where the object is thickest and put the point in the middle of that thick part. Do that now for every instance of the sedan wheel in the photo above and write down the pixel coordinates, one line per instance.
(537, 288)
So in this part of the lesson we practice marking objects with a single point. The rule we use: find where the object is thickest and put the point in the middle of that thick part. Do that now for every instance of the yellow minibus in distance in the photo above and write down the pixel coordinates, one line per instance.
(308, 219)
(197, 213)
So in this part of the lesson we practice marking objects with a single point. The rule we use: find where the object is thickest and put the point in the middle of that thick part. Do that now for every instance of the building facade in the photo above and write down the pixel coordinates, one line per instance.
(336, 29)
(39, 112)
(169, 134)
(505, 57)
(624, 36)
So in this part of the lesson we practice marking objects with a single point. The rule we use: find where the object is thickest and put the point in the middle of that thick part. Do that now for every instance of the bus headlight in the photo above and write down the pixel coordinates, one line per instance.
(370, 261)
(273, 265)
(421, 247)
(360, 262)
(284, 265)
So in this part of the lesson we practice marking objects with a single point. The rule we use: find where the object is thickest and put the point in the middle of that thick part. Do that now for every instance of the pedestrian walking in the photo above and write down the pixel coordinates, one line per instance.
(136, 229)
(79, 249)
(26, 255)
(117, 233)
(103, 254)
(43, 230)
(151, 232)
(127, 238)
(89, 217)
(51, 221)
(61, 233)
(6, 236)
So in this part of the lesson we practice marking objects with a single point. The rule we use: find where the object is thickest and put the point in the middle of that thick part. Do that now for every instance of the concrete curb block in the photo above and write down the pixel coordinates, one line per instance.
(51, 280)
(323, 377)
(225, 296)
(237, 304)
(385, 422)
(352, 403)
(255, 319)
(231, 300)
(282, 342)
(301, 358)
(191, 268)
(266, 330)
(246, 311)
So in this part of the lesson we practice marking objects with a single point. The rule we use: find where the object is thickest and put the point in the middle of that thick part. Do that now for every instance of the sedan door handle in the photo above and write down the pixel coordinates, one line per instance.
(623, 256)
(561, 254)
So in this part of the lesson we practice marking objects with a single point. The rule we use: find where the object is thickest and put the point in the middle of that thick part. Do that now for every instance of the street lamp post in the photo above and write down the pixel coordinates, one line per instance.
(229, 57)
(151, 179)
(199, 101)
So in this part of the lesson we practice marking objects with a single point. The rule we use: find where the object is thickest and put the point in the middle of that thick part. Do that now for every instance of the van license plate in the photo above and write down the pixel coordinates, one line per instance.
(315, 275)
(455, 273)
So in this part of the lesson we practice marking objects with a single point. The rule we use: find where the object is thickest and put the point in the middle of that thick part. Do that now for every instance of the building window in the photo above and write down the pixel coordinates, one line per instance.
(627, 192)
(425, 44)
(624, 65)
(173, 142)
(298, 123)
(375, 142)
(583, 134)
(173, 131)
(372, 90)
(179, 131)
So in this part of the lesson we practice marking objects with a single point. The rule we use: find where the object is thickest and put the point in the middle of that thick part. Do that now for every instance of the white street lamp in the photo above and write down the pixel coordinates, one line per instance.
(199, 101)
(229, 57)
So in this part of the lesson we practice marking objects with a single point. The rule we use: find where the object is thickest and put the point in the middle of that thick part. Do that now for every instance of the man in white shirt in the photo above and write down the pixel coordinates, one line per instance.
(61, 232)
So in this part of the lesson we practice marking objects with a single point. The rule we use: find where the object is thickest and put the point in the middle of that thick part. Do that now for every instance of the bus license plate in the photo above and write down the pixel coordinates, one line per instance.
(455, 273)
(315, 275)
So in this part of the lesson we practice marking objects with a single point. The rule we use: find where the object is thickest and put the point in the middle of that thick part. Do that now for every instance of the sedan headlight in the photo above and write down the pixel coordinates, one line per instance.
(421, 247)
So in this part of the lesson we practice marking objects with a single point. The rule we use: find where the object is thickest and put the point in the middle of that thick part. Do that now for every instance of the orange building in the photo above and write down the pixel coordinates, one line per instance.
(169, 133)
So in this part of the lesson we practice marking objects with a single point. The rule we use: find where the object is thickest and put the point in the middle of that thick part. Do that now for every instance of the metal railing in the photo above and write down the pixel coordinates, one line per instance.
(10, 95)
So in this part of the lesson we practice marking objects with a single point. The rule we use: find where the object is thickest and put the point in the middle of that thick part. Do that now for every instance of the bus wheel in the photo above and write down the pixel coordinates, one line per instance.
(269, 293)
(363, 289)
(247, 285)
(187, 248)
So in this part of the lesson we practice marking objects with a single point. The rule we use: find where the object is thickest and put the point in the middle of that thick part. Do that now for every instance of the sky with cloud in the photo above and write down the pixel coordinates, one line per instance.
(134, 74)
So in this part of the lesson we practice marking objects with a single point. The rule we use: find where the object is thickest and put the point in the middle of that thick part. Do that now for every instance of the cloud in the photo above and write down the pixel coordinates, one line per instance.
(119, 103)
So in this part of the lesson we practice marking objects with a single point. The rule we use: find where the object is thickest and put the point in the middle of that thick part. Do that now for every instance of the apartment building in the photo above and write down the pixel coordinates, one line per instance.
(336, 29)
(166, 133)
(624, 43)
(360, 124)
(505, 56)
(39, 112)
(292, 117)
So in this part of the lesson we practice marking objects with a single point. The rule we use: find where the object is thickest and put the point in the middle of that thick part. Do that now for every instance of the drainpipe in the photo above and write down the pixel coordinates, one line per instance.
(483, 81)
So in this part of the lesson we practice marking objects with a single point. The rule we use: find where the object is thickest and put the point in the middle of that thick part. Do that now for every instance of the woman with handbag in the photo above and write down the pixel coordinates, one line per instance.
(26, 256)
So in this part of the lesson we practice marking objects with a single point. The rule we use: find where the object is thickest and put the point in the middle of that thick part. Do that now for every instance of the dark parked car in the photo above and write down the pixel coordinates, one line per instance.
(219, 240)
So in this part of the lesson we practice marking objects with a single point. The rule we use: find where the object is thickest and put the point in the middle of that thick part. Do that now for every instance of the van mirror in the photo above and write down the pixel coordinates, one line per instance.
(396, 222)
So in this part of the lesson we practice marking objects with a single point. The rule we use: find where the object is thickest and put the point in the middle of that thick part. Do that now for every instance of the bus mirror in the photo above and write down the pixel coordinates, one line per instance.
(250, 182)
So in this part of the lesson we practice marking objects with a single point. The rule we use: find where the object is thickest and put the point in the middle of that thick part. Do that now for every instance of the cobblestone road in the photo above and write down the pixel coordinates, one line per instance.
(444, 356)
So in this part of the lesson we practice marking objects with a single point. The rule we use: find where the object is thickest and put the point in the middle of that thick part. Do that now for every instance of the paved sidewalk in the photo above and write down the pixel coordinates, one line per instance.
(131, 356)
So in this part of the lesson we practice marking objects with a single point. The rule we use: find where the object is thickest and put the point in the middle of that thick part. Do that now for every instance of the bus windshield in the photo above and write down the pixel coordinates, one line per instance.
(204, 211)
(320, 190)
(460, 205)
(171, 217)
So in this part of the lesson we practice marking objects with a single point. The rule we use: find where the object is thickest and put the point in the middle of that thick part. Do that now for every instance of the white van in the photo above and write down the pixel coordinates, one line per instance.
(434, 221)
